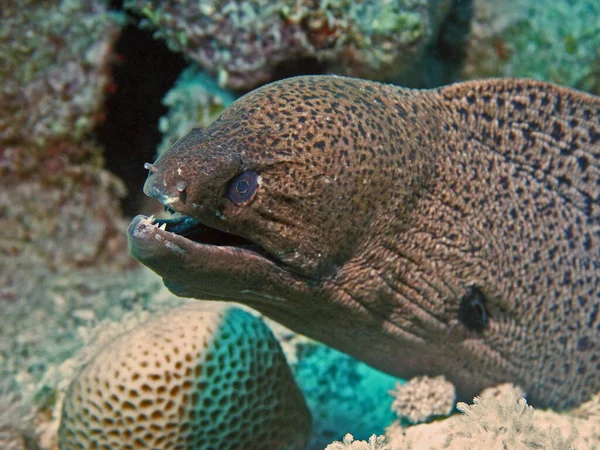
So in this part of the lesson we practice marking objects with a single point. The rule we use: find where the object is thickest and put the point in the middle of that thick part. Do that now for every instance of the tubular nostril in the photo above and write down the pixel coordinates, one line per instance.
(150, 167)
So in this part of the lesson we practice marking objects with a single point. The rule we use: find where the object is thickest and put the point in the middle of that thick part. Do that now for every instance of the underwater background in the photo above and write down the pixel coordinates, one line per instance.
(92, 89)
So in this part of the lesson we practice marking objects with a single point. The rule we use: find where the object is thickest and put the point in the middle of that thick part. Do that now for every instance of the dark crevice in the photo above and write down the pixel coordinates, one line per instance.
(298, 66)
(444, 57)
(116, 4)
(453, 37)
(143, 71)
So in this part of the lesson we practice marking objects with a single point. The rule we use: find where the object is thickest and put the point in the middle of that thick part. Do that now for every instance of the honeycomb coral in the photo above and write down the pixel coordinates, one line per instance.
(199, 377)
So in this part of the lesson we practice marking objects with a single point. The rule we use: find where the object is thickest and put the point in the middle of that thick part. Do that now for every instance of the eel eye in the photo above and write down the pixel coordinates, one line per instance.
(243, 187)
(472, 311)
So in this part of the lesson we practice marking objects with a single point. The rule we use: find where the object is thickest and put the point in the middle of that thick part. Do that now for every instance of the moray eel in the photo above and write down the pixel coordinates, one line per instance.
(451, 231)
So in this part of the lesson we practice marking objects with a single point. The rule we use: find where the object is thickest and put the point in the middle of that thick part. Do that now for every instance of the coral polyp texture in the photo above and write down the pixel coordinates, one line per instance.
(348, 443)
(422, 398)
(245, 42)
(54, 67)
(198, 377)
(500, 418)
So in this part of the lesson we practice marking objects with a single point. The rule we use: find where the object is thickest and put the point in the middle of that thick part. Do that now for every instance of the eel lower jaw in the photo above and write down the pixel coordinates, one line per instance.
(198, 261)
(188, 233)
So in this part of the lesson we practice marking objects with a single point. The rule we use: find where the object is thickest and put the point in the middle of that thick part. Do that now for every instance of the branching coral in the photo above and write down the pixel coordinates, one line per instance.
(244, 41)
(199, 377)
(348, 443)
(501, 419)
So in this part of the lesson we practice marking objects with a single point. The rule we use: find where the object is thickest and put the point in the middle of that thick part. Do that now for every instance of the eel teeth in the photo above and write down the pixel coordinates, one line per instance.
(151, 219)
(163, 227)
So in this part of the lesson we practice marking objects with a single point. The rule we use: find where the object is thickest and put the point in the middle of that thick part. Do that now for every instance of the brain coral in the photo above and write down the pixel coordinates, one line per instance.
(244, 42)
(198, 377)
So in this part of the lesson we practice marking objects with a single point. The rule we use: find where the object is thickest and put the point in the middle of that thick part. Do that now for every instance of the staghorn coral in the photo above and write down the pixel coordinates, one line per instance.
(195, 101)
(244, 41)
(54, 68)
(199, 376)
(500, 424)
(422, 398)
(555, 41)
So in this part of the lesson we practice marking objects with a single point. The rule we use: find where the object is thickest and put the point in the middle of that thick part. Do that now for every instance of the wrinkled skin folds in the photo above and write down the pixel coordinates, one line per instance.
(452, 231)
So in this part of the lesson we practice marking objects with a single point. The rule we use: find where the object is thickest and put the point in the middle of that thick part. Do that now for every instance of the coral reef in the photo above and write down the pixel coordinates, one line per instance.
(54, 67)
(65, 301)
(555, 41)
(58, 207)
(244, 42)
(69, 318)
(51, 325)
(422, 398)
(500, 419)
(201, 376)
(58, 210)
(46, 337)
(195, 101)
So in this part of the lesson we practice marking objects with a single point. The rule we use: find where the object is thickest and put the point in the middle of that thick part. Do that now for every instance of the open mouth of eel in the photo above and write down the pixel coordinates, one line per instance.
(193, 230)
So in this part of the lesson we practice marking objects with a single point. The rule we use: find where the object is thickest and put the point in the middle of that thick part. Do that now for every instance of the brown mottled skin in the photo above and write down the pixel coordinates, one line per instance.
(379, 208)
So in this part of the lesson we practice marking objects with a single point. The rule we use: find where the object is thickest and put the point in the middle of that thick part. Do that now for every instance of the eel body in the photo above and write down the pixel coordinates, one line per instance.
(451, 231)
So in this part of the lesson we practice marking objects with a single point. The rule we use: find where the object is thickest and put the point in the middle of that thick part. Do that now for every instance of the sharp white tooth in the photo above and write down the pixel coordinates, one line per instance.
(163, 227)
(151, 218)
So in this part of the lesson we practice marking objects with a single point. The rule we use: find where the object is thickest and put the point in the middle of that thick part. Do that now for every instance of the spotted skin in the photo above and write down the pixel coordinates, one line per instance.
(380, 209)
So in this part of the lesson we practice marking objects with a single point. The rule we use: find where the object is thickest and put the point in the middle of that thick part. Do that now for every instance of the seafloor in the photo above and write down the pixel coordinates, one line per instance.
(92, 89)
